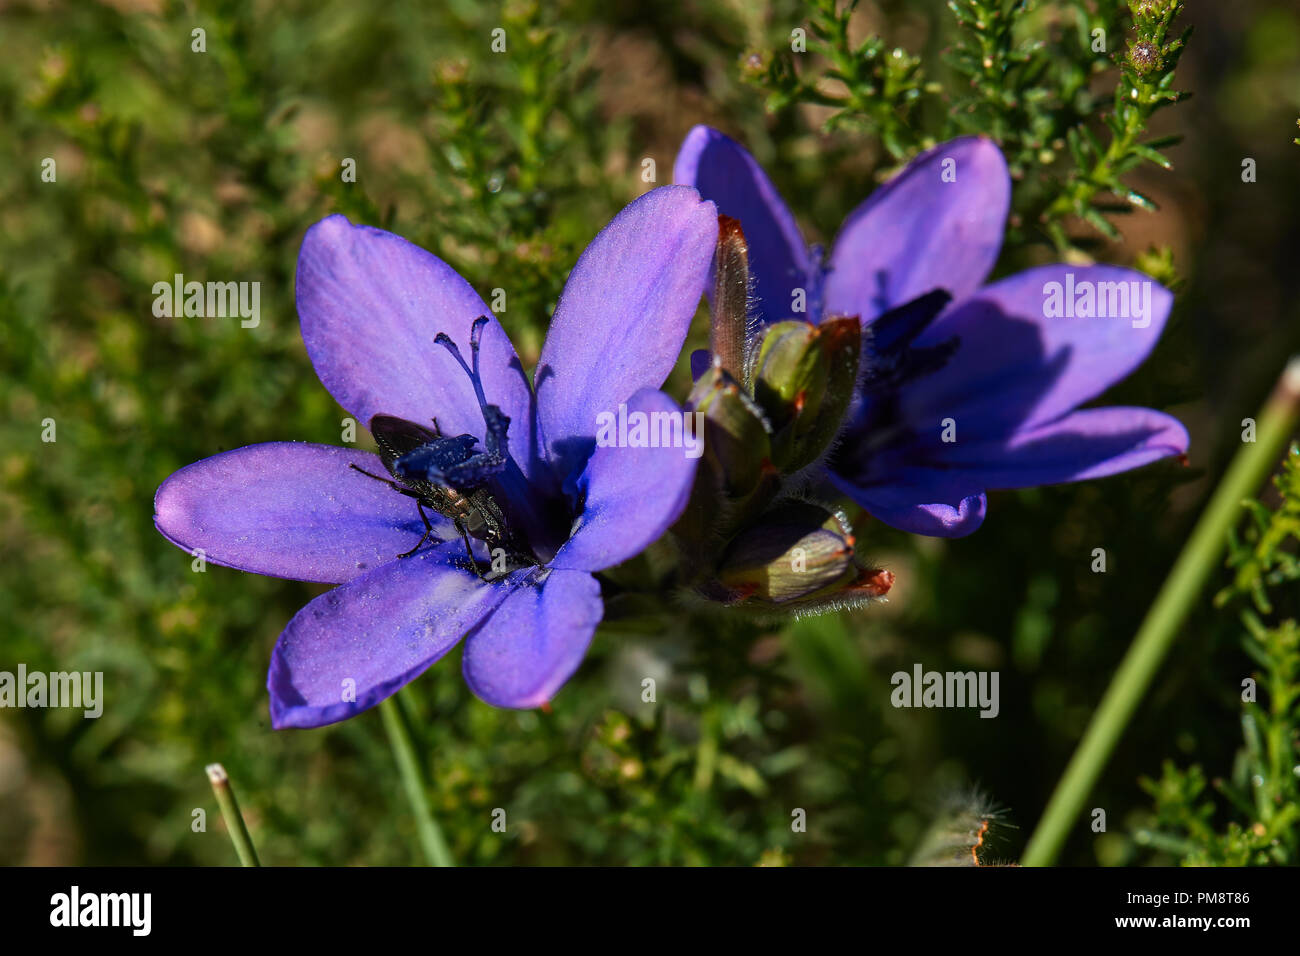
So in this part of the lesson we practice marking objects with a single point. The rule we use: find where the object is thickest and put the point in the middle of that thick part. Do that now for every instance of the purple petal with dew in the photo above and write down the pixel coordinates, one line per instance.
(290, 510)
(355, 645)
(534, 641)
(936, 225)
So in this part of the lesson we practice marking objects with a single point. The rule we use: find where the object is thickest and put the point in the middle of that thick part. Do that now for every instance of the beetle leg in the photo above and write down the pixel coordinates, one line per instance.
(464, 535)
(428, 532)
(390, 483)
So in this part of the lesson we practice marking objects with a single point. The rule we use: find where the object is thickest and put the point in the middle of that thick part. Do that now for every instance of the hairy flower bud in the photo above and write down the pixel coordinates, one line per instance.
(960, 833)
(797, 555)
(736, 435)
(729, 330)
(796, 549)
(1145, 57)
(803, 380)
(735, 478)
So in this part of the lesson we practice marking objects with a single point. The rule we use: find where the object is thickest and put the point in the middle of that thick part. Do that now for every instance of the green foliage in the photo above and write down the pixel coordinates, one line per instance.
(1018, 71)
(876, 89)
(1260, 798)
(1145, 86)
(1265, 556)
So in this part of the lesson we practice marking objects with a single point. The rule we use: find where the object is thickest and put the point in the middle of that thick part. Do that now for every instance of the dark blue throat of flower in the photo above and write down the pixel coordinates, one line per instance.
(479, 488)
(891, 362)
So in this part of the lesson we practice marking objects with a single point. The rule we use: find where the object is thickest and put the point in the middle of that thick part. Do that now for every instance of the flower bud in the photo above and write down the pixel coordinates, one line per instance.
(737, 438)
(729, 330)
(1145, 57)
(795, 550)
(735, 478)
(803, 380)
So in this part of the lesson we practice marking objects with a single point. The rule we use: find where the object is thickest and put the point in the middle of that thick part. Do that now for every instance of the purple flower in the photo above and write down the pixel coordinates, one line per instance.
(966, 387)
(371, 305)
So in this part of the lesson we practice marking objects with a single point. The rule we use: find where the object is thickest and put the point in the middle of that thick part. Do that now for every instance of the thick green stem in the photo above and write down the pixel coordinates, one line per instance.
(230, 812)
(1184, 586)
(431, 839)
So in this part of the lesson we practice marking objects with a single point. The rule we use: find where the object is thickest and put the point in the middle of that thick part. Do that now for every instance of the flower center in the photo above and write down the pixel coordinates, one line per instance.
(890, 362)
(456, 477)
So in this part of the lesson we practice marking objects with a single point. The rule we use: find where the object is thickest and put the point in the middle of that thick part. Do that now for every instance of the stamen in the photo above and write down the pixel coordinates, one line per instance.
(475, 336)
(889, 357)
(899, 327)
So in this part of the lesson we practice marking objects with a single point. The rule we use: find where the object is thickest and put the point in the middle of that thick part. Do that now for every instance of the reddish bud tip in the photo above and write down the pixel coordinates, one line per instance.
(729, 231)
(876, 582)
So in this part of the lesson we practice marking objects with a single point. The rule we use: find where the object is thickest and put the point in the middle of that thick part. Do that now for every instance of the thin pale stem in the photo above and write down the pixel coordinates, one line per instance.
(435, 847)
(230, 812)
(1180, 592)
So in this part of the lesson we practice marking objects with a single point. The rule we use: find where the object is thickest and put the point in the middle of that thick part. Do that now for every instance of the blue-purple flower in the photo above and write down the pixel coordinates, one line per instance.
(371, 305)
(965, 387)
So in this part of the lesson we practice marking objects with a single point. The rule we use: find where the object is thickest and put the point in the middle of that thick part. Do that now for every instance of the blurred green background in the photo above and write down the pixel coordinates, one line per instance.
(505, 164)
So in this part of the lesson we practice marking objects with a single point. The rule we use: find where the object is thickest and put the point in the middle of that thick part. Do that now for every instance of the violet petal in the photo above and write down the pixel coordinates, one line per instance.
(290, 510)
(535, 640)
(632, 495)
(1091, 443)
(355, 645)
(371, 304)
(922, 501)
(1016, 367)
(725, 172)
(936, 225)
(623, 316)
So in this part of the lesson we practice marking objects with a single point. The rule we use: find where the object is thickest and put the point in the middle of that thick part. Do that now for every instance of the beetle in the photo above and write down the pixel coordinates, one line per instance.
(449, 474)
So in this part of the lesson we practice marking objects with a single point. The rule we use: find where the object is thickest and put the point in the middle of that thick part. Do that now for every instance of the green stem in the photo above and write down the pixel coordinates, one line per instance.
(230, 812)
(431, 839)
(1184, 586)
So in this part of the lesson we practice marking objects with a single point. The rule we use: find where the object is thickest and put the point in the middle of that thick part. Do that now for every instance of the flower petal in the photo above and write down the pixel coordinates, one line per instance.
(1091, 443)
(371, 304)
(1015, 367)
(632, 495)
(724, 171)
(946, 499)
(532, 643)
(923, 230)
(922, 501)
(355, 645)
(623, 316)
(700, 359)
(290, 510)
